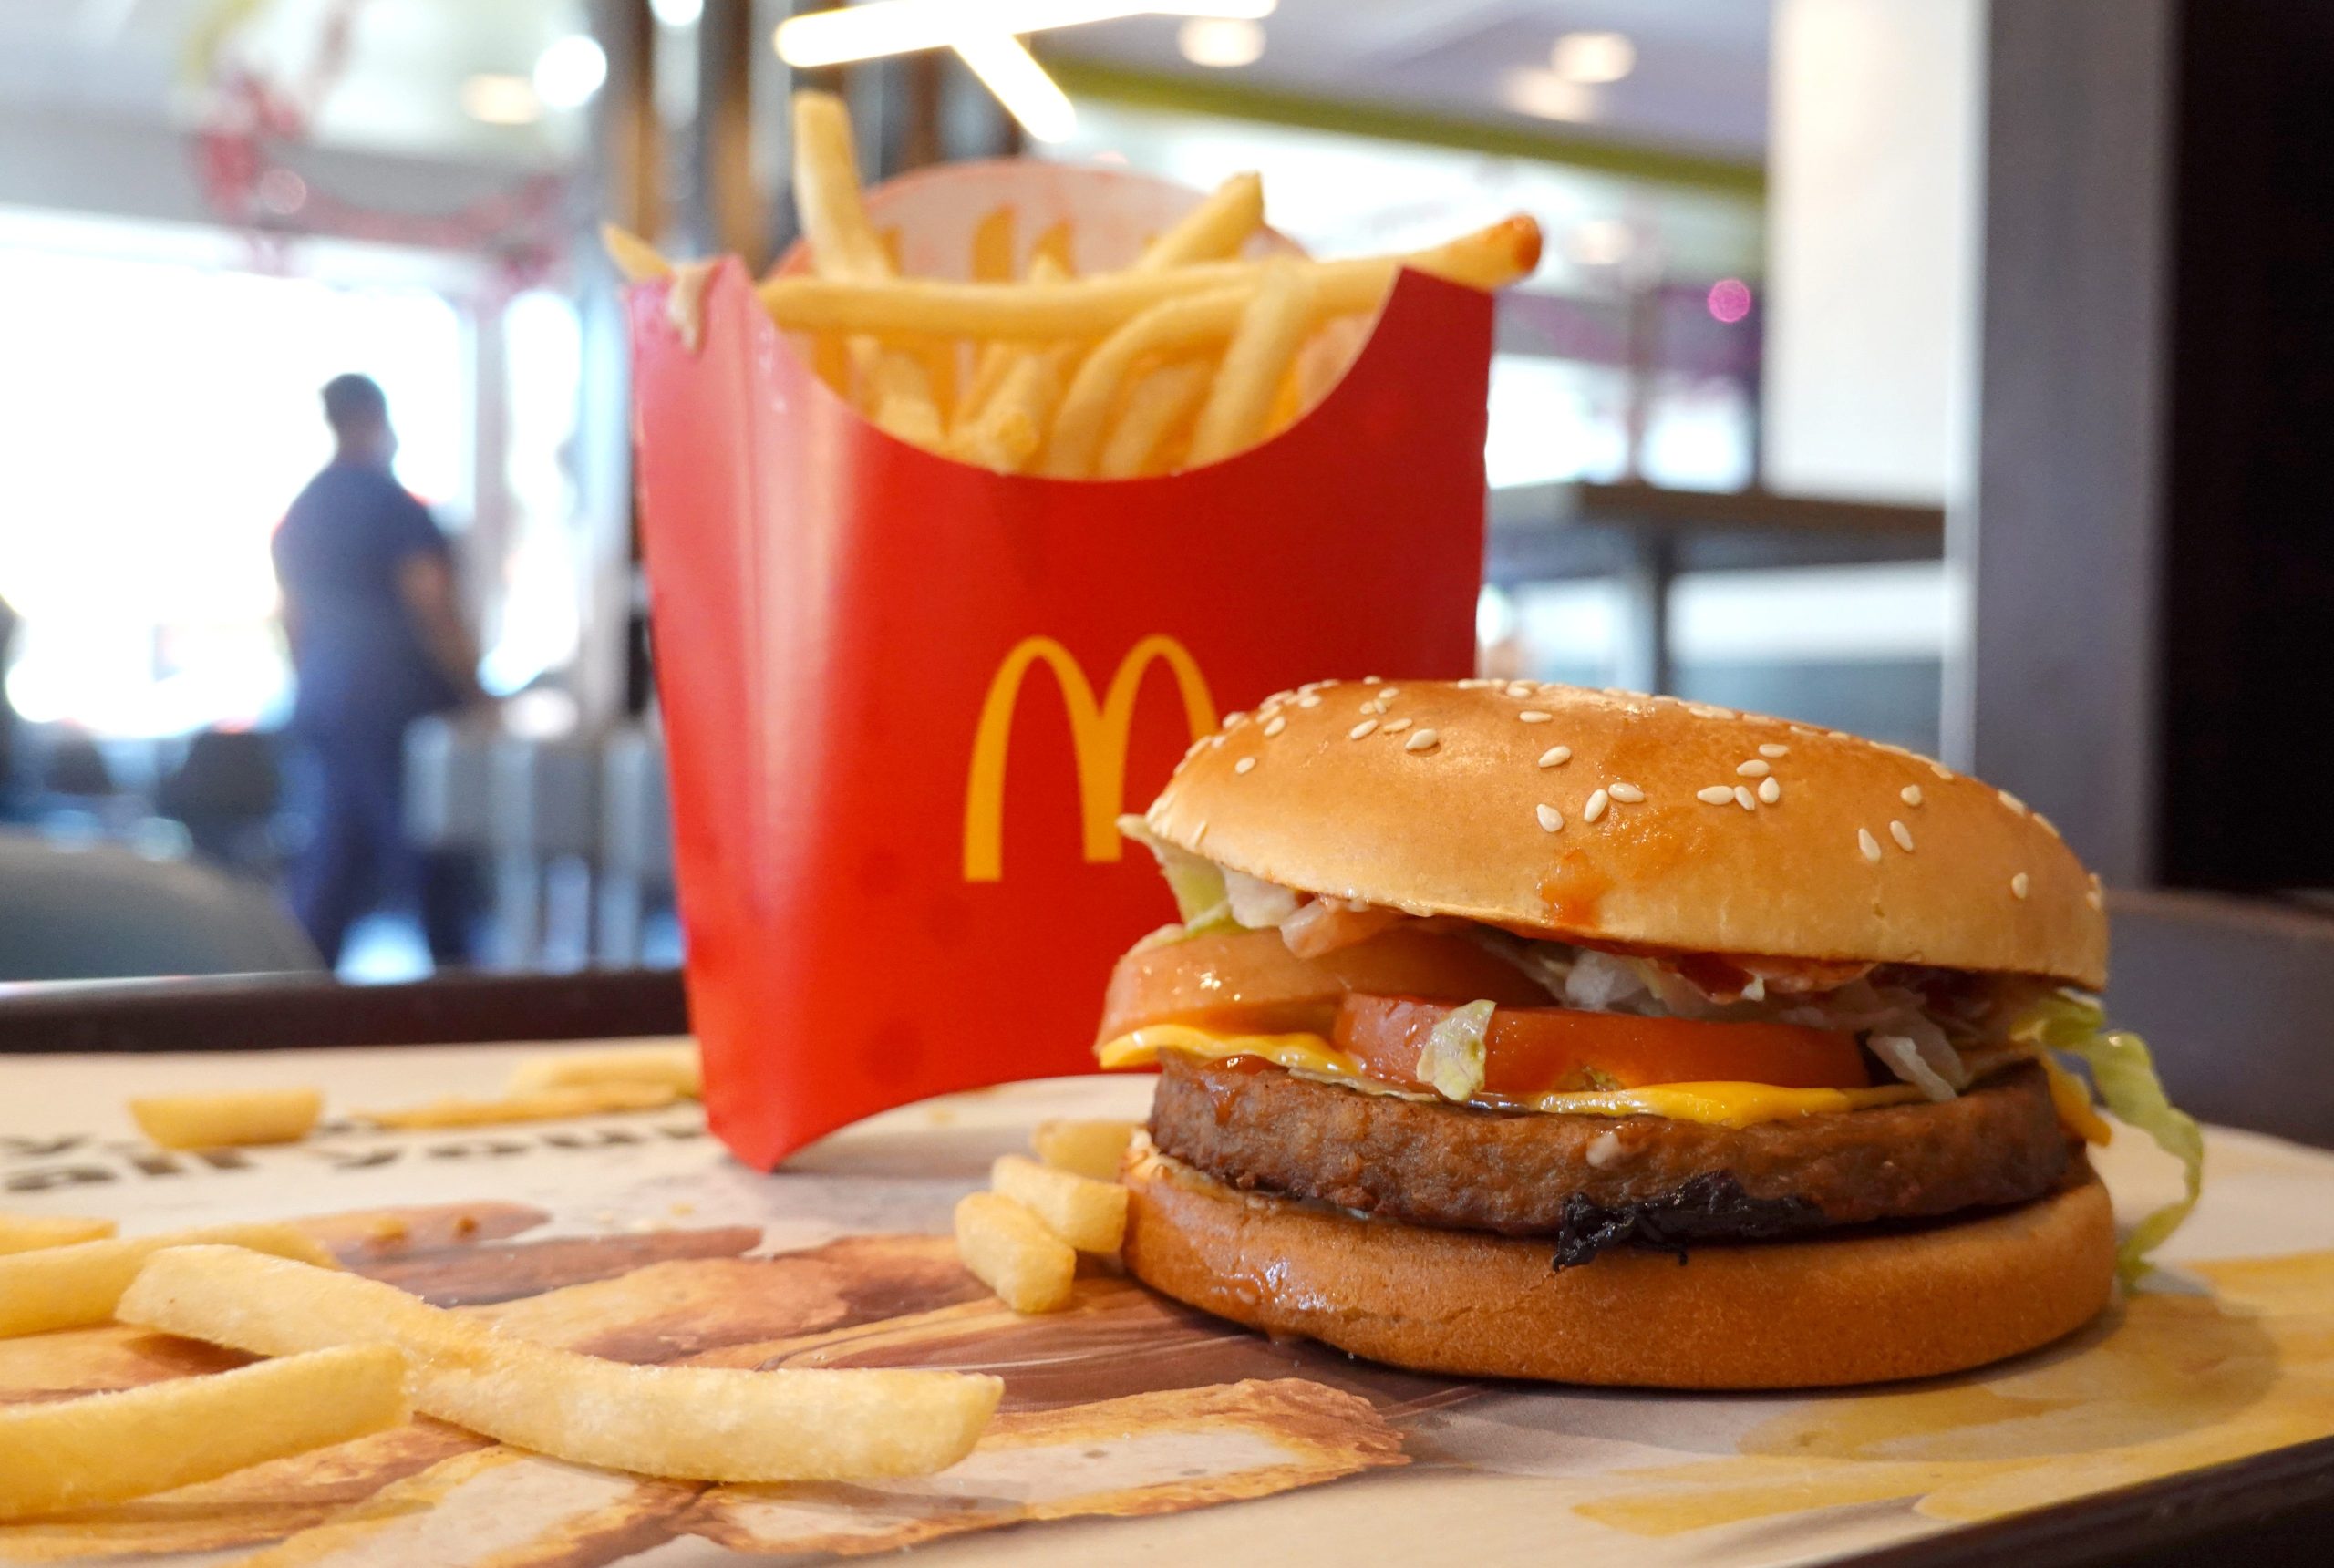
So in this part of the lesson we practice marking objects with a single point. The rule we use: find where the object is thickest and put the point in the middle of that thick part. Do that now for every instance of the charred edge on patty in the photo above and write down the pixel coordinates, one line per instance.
(1711, 1207)
(1589, 1182)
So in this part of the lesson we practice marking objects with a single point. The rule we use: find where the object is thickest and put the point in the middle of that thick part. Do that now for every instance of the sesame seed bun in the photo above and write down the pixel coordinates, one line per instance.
(1623, 818)
(1796, 1315)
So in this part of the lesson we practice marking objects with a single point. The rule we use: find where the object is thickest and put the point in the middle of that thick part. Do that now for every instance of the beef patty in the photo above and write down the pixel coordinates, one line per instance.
(1593, 1181)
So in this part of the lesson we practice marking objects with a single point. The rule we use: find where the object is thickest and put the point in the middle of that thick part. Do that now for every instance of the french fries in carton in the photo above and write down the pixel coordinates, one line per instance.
(1046, 470)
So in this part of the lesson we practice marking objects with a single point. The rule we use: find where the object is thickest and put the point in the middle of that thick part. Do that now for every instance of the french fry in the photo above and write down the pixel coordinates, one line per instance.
(1172, 327)
(1164, 398)
(1090, 1215)
(676, 1068)
(1009, 1250)
(543, 1105)
(1212, 230)
(1010, 427)
(1272, 328)
(896, 385)
(1094, 1149)
(694, 1423)
(1092, 306)
(74, 1286)
(104, 1448)
(1049, 253)
(31, 1232)
(992, 250)
(234, 1119)
(635, 257)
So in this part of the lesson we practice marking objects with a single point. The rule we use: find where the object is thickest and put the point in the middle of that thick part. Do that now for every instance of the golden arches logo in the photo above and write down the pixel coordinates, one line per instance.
(1097, 737)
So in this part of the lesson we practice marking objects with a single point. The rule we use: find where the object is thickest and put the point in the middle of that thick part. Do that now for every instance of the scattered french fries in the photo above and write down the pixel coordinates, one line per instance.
(1090, 1215)
(1093, 1149)
(1189, 354)
(31, 1232)
(1009, 1250)
(695, 1423)
(236, 1119)
(105, 1448)
(73, 1286)
(673, 1066)
(542, 1105)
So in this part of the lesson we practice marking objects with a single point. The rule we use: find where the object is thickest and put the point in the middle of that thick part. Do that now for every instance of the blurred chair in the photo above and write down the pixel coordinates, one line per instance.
(636, 844)
(226, 790)
(102, 912)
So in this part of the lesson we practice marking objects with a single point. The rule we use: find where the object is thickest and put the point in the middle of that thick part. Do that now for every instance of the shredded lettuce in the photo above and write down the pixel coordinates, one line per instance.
(2126, 1078)
(1452, 1060)
(1196, 882)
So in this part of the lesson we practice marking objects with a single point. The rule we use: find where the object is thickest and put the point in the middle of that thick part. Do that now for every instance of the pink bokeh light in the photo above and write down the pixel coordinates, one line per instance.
(1729, 300)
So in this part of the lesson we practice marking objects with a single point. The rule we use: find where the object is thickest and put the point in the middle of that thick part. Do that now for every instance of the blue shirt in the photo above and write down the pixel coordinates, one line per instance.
(358, 654)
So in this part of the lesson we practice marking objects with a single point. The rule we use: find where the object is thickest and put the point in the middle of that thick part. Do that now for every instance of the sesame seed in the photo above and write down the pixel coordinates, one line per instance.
(1422, 741)
(1193, 748)
(1627, 794)
(1235, 721)
(1716, 795)
(1556, 757)
(1278, 698)
(2093, 899)
(1550, 818)
(1771, 790)
(1754, 768)
(1711, 711)
(1903, 835)
(1595, 808)
(1388, 694)
(2047, 826)
(1910, 794)
(1371, 680)
(1839, 734)
(1519, 688)
(2020, 886)
(1358, 730)
(1771, 749)
(1308, 700)
(2012, 802)
(1244, 764)
(1868, 844)
(1397, 727)
(1940, 770)
(1476, 684)
(1216, 739)
(1534, 715)
(1276, 726)
(1744, 799)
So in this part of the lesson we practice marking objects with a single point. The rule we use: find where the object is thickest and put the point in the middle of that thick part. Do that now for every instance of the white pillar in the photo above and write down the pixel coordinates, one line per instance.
(1873, 178)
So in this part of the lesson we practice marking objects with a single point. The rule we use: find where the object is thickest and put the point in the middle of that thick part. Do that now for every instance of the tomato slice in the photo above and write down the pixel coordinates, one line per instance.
(1249, 980)
(1531, 1051)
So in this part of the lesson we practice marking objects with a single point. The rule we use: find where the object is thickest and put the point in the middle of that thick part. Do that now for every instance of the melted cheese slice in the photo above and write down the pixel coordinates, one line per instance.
(1715, 1104)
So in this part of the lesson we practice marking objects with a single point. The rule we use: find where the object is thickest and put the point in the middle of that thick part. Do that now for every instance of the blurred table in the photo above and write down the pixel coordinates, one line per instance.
(2182, 1429)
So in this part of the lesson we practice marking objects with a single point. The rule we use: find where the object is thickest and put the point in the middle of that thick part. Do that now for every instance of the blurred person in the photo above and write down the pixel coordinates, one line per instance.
(378, 641)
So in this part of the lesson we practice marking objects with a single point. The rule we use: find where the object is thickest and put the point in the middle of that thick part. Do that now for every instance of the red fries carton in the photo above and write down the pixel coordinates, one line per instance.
(906, 698)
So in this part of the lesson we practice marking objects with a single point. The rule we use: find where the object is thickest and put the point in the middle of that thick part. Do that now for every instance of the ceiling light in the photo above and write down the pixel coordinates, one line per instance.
(677, 13)
(1590, 58)
(1032, 98)
(1220, 41)
(1544, 95)
(880, 28)
(492, 98)
(569, 71)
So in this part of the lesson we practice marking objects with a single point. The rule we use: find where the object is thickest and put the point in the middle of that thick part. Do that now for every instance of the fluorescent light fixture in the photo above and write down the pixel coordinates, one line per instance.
(1010, 71)
(677, 13)
(883, 27)
(570, 70)
(494, 98)
(1220, 41)
(1592, 58)
(1543, 94)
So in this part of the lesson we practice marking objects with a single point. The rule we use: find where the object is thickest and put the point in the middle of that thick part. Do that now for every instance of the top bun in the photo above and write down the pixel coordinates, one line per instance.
(1610, 817)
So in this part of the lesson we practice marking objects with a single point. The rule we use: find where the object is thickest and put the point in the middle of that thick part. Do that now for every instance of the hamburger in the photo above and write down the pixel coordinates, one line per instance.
(1523, 1030)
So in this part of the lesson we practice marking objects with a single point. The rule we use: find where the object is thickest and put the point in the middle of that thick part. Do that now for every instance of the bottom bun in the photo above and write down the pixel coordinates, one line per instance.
(1863, 1308)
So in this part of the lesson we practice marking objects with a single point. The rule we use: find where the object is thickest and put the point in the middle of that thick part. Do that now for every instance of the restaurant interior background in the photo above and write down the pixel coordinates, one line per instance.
(1834, 291)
